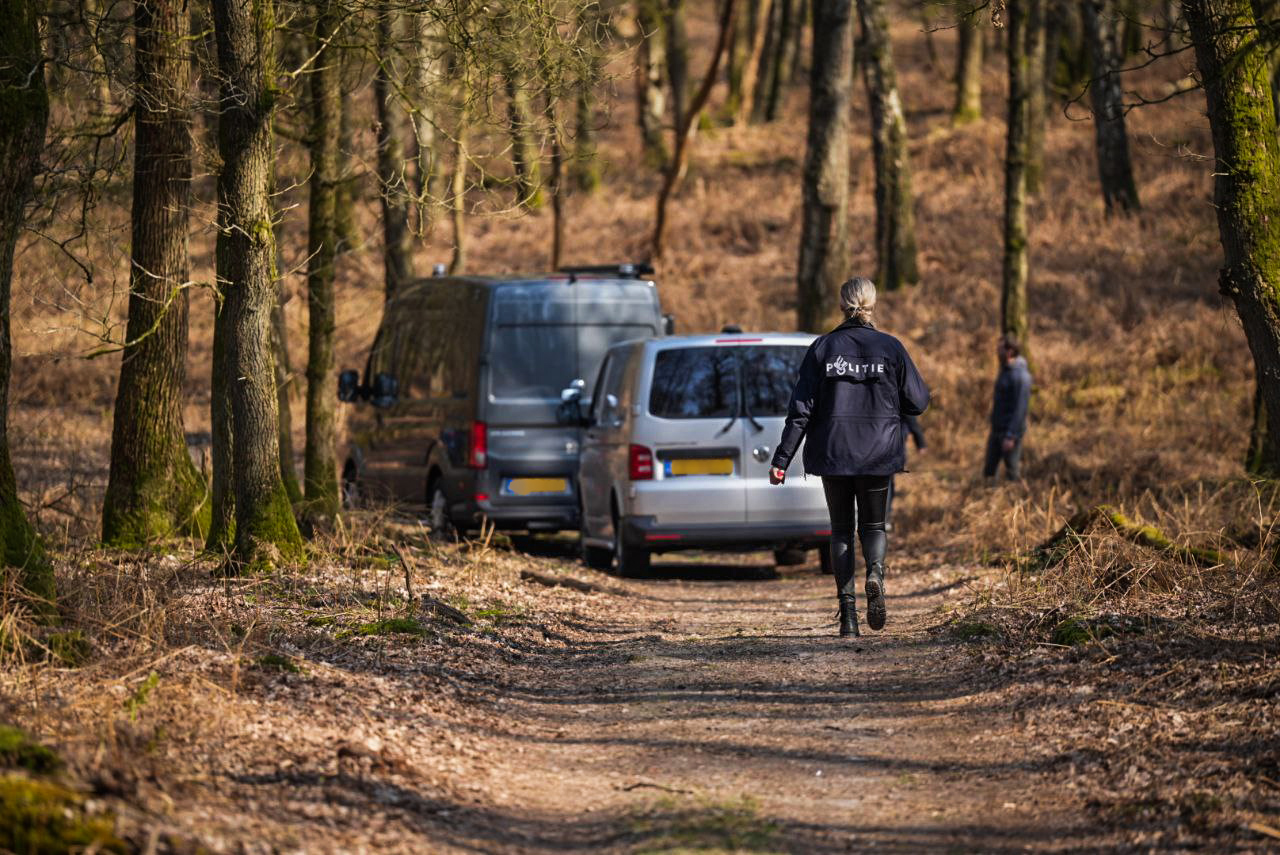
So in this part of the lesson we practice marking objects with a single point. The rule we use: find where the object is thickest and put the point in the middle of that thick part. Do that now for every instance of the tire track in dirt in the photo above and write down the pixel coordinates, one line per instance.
(713, 708)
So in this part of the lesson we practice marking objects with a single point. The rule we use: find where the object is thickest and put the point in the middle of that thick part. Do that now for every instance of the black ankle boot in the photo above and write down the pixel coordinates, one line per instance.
(849, 615)
(876, 611)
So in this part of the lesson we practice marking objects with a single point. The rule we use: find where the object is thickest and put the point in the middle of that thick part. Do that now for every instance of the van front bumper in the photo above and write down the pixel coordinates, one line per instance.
(647, 533)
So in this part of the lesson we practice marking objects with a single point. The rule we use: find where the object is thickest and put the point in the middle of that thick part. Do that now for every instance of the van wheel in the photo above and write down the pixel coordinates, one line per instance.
(788, 557)
(824, 560)
(633, 562)
(442, 527)
(596, 557)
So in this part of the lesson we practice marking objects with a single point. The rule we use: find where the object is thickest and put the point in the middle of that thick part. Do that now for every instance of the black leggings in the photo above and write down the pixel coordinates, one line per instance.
(862, 499)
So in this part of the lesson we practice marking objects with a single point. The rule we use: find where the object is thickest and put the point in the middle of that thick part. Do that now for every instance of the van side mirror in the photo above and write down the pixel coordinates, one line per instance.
(569, 412)
(348, 386)
(385, 390)
(668, 324)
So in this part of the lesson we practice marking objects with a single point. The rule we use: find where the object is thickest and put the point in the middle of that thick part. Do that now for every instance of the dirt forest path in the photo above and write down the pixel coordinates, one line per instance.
(713, 709)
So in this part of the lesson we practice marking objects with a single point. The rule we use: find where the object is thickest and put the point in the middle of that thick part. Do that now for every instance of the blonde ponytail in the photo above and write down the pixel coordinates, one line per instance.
(858, 299)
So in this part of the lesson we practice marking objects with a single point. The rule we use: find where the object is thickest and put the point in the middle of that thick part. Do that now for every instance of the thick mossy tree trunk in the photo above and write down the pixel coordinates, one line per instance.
(824, 233)
(265, 529)
(968, 105)
(651, 100)
(24, 113)
(320, 468)
(154, 490)
(1115, 170)
(1037, 95)
(895, 206)
(1237, 86)
(397, 247)
(1013, 293)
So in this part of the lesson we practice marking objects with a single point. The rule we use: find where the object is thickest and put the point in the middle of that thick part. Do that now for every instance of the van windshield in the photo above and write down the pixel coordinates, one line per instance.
(709, 382)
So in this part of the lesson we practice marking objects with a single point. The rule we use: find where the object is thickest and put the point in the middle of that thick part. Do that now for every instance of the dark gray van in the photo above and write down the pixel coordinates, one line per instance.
(457, 410)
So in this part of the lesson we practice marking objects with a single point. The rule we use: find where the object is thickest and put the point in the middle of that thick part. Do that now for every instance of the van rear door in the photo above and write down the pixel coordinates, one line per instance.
(543, 336)
(769, 373)
(696, 436)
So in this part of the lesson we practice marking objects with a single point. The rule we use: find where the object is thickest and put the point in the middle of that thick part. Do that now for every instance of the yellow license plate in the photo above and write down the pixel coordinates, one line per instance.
(700, 466)
(537, 486)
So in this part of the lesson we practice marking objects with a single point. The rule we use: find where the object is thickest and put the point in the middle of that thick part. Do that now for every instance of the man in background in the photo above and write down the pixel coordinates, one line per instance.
(1010, 400)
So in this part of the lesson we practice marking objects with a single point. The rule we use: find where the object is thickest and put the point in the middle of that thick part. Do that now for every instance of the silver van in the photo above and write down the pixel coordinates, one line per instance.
(457, 408)
(676, 447)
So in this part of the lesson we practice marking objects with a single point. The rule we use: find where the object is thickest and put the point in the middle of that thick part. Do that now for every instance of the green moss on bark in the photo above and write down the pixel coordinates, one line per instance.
(22, 551)
(41, 818)
(19, 751)
(163, 503)
(270, 536)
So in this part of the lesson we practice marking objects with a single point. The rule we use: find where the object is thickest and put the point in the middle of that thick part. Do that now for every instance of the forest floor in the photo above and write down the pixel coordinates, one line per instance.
(521, 703)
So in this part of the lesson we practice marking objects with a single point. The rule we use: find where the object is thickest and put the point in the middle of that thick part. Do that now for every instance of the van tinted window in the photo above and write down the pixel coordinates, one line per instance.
(769, 375)
(695, 383)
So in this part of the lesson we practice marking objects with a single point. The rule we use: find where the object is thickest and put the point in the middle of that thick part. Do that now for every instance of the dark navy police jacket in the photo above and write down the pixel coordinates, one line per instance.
(856, 384)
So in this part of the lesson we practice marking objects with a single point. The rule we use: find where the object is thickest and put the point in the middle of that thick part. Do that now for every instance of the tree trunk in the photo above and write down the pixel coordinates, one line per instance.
(585, 169)
(895, 215)
(557, 189)
(677, 56)
(804, 14)
(651, 100)
(458, 199)
(24, 113)
(397, 248)
(1037, 110)
(824, 235)
(426, 77)
(265, 530)
(1013, 295)
(684, 133)
(751, 66)
(1115, 170)
(1246, 192)
(768, 57)
(320, 467)
(222, 521)
(154, 490)
(968, 106)
(524, 154)
(284, 389)
(780, 71)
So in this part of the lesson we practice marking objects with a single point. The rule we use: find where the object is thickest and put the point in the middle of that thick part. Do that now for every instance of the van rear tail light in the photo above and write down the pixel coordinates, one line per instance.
(478, 454)
(640, 466)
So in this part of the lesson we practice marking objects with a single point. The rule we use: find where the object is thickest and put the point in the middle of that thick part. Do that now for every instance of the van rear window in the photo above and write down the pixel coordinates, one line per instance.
(769, 375)
(533, 361)
(708, 382)
(694, 383)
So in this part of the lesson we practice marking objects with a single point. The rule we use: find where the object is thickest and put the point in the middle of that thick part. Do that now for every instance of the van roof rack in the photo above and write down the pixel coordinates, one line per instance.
(633, 269)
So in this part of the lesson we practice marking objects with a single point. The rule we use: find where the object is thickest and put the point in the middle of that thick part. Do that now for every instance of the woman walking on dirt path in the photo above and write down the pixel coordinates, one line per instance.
(856, 384)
